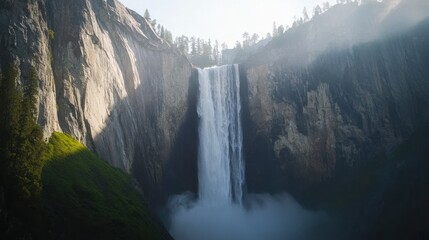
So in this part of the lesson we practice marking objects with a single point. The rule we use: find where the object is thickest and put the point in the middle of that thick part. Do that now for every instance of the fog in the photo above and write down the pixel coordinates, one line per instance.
(344, 26)
(224, 20)
(264, 217)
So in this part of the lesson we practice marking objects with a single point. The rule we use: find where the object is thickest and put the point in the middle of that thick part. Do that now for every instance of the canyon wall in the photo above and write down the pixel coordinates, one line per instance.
(323, 101)
(106, 78)
(328, 124)
(344, 109)
(315, 114)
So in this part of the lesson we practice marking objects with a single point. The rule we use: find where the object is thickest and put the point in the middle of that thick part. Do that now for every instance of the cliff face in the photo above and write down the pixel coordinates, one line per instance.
(24, 41)
(321, 119)
(331, 130)
(105, 77)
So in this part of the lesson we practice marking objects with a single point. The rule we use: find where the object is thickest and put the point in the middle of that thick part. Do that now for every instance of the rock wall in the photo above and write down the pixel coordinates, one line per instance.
(318, 124)
(24, 41)
(105, 77)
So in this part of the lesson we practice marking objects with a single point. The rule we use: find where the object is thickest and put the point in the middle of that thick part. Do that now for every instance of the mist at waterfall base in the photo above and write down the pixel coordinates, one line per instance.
(265, 217)
(221, 211)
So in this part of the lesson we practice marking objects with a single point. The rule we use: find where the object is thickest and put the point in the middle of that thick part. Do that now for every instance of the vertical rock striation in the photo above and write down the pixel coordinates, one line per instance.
(105, 77)
(24, 41)
(318, 119)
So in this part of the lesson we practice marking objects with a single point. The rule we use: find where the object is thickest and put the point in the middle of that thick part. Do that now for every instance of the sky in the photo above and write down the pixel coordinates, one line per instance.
(222, 20)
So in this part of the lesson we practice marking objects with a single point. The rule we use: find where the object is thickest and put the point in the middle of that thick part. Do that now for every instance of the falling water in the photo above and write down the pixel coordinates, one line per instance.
(218, 213)
(221, 165)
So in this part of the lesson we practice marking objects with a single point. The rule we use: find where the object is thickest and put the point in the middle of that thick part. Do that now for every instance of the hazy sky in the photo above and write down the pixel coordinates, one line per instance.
(224, 20)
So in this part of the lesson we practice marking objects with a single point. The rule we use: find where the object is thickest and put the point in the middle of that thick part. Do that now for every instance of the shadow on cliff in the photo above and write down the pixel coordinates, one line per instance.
(377, 93)
(181, 169)
(379, 195)
(161, 166)
(261, 167)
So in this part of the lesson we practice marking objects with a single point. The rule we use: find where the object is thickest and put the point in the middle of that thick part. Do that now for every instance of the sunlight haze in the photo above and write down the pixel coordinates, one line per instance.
(223, 20)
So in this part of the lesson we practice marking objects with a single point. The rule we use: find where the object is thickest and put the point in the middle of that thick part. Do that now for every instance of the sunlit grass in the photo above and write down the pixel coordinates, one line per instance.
(82, 192)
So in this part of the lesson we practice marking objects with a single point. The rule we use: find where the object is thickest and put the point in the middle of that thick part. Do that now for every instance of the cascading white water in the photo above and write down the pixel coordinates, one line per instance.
(218, 213)
(221, 165)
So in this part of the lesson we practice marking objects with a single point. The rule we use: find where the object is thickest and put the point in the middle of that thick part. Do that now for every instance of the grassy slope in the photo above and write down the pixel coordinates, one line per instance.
(85, 198)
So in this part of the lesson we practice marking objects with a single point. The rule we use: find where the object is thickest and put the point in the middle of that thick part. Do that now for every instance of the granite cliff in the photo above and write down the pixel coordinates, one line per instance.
(106, 78)
(348, 106)
(325, 106)
(326, 110)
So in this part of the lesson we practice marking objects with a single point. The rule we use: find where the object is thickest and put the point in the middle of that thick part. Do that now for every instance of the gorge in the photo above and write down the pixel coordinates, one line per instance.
(222, 209)
(321, 129)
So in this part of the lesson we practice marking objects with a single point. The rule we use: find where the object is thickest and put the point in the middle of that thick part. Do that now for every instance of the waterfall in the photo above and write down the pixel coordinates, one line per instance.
(218, 212)
(220, 165)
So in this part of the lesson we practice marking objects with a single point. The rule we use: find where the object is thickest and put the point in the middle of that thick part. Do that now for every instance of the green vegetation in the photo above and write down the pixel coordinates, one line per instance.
(59, 190)
(22, 147)
(51, 34)
(200, 52)
(86, 198)
(22, 152)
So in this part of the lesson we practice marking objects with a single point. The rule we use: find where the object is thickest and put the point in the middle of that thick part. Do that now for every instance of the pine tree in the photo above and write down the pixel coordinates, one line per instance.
(326, 6)
(30, 141)
(246, 39)
(216, 54)
(238, 45)
(317, 11)
(254, 39)
(305, 14)
(281, 30)
(22, 148)
(162, 34)
(153, 23)
(147, 14)
(182, 43)
(199, 47)
(158, 29)
(275, 30)
(193, 47)
(168, 36)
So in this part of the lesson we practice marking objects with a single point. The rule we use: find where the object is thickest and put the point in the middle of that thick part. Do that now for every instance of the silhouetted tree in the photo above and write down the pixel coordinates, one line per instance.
(254, 39)
(237, 45)
(246, 39)
(275, 30)
(147, 14)
(168, 36)
(281, 30)
(158, 29)
(182, 43)
(193, 47)
(162, 33)
(216, 54)
(199, 47)
(153, 23)
(305, 14)
(317, 11)
(326, 6)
